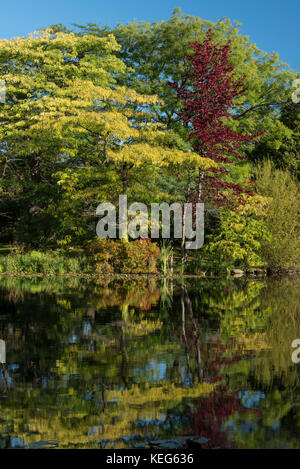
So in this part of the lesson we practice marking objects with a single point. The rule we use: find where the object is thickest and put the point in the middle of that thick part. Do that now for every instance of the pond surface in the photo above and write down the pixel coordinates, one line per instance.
(144, 363)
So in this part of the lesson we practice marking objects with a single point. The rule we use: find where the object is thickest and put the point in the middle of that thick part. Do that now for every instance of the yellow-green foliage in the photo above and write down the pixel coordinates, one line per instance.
(282, 247)
(75, 132)
(264, 231)
(242, 231)
(36, 262)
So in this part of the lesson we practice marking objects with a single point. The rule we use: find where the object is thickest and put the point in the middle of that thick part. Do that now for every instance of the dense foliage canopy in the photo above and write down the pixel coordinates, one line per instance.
(142, 109)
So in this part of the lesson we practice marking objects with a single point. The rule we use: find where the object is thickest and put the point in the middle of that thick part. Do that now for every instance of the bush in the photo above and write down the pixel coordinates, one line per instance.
(282, 248)
(242, 231)
(119, 256)
(265, 231)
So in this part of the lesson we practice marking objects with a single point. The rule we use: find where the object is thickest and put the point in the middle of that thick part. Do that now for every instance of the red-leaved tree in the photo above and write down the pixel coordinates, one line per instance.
(208, 93)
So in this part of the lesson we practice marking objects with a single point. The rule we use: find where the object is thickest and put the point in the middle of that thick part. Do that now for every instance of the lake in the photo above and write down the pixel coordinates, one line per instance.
(141, 362)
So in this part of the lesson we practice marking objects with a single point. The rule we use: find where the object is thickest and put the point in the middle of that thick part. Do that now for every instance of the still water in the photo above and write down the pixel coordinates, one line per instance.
(144, 363)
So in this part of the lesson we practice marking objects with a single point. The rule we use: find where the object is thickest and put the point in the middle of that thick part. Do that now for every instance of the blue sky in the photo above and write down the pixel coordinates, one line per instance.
(272, 24)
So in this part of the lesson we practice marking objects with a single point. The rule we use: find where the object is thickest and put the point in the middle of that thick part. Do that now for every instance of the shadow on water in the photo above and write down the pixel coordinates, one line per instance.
(139, 363)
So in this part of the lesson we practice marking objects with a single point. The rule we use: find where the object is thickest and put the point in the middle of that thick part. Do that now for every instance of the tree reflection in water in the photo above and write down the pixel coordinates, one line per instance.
(138, 363)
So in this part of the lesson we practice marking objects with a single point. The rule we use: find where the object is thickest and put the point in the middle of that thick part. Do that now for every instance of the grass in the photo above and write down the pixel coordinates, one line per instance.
(37, 262)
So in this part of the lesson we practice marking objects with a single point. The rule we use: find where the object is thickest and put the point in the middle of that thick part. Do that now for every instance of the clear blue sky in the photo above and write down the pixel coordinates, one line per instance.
(272, 24)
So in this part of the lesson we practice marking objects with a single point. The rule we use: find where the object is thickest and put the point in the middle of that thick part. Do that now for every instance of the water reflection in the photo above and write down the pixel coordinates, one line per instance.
(143, 363)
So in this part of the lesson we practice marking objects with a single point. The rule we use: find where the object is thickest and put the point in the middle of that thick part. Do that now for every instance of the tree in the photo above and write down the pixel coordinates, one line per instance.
(50, 77)
(208, 93)
(71, 136)
(155, 53)
(285, 153)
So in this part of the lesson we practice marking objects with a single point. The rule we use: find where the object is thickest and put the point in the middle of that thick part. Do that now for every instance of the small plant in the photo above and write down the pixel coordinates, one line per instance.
(166, 257)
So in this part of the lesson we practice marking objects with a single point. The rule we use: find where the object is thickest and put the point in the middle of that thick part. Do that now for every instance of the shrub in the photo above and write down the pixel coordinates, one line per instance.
(264, 231)
(282, 248)
(242, 232)
(119, 256)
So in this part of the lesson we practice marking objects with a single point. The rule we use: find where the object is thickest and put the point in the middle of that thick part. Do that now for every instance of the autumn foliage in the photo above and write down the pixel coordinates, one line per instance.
(118, 256)
(208, 93)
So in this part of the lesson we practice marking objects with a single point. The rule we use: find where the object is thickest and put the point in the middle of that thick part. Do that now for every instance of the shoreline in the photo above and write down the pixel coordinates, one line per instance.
(245, 275)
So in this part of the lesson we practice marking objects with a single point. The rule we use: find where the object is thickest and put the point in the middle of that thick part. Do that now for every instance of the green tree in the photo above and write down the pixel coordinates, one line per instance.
(155, 53)
(49, 78)
(287, 154)
(71, 135)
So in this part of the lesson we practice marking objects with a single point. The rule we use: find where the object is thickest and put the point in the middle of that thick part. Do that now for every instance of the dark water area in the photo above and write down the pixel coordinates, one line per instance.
(140, 363)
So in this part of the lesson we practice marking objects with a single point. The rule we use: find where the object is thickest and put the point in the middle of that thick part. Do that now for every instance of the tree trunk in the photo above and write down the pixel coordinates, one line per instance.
(124, 176)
